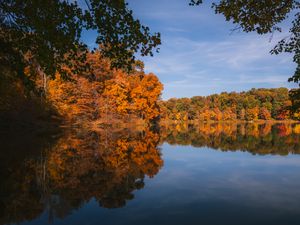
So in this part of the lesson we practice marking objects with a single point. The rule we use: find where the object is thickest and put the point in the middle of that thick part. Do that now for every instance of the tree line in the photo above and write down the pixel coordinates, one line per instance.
(262, 103)
(47, 71)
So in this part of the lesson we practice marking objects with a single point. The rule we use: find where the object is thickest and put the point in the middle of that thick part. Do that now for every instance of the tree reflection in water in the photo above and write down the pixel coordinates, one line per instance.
(60, 175)
(106, 166)
(256, 138)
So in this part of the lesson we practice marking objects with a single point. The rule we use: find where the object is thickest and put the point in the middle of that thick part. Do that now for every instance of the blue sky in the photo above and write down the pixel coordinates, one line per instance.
(200, 56)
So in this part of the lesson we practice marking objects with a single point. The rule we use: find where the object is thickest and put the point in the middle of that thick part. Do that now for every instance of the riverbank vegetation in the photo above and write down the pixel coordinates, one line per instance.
(256, 104)
(100, 95)
(109, 97)
(49, 77)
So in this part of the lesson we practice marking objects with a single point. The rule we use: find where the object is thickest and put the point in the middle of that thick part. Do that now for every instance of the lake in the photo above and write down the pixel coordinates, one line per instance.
(209, 173)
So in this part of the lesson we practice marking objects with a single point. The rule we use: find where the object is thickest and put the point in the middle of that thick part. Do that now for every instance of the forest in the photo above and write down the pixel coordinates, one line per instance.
(100, 96)
(107, 96)
(255, 104)
(49, 76)
(84, 126)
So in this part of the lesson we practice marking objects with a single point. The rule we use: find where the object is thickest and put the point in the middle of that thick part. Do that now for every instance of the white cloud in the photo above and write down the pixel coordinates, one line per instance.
(212, 66)
(200, 56)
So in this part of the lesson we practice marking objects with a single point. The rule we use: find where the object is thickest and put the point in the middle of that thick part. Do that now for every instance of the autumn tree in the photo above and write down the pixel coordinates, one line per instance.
(146, 91)
(255, 104)
(252, 113)
(105, 94)
(264, 114)
(117, 93)
(295, 107)
(42, 40)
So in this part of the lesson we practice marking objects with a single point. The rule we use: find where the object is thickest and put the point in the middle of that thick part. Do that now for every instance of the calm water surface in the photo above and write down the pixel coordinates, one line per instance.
(205, 174)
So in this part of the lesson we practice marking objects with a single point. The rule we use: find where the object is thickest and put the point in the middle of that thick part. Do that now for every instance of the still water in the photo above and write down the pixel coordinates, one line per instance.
(204, 174)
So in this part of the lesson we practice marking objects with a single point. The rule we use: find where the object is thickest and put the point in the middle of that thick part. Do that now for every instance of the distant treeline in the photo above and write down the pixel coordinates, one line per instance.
(264, 104)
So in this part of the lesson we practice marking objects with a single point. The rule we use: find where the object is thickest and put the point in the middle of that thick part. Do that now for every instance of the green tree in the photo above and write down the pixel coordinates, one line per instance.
(295, 97)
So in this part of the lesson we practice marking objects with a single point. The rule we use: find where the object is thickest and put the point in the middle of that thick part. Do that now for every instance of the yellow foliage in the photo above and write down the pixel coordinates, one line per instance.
(297, 129)
(105, 92)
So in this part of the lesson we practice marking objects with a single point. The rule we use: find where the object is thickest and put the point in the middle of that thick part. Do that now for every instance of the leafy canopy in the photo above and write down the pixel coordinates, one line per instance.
(263, 16)
(46, 35)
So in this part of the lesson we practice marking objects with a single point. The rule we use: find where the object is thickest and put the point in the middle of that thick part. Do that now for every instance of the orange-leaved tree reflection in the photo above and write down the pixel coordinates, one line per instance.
(256, 138)
(105, 166)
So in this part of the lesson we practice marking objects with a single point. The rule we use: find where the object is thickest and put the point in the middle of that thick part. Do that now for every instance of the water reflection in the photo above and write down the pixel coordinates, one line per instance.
(257, 138)
(80, 166)
(56, 176)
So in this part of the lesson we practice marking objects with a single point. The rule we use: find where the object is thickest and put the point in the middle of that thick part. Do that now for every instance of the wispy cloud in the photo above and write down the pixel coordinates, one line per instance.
(205, 67)
(200, 56)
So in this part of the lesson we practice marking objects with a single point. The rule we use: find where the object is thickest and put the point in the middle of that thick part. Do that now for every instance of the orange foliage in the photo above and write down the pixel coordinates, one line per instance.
(252, 113)
(257, 138)
(262, 103)
(98, 165)
(264, 114)
(105, 92)
(144, 94)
